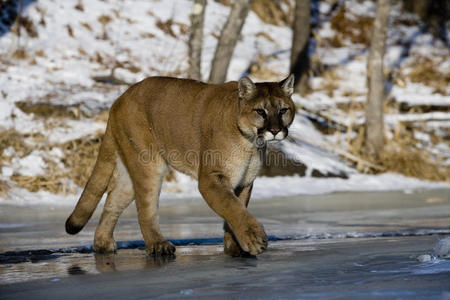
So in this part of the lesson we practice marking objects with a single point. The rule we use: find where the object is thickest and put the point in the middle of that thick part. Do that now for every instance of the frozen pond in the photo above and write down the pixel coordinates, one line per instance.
(343, 245)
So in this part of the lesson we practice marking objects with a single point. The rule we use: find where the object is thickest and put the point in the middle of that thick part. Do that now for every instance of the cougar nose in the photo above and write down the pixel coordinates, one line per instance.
(274, 131)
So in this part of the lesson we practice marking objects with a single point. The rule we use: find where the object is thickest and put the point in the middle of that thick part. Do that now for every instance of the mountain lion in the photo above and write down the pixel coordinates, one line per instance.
(215, 133)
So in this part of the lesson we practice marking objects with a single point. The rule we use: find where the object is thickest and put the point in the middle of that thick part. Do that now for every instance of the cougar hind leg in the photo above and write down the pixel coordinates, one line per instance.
(120, 195)
(139, 151)
(147, 188)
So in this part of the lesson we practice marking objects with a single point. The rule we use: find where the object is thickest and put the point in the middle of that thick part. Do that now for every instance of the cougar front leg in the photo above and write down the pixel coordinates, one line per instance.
(230, 244)
(217, 191)
(119, 198)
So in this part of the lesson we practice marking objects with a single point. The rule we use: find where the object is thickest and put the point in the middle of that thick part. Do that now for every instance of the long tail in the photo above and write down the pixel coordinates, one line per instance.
(95, 187)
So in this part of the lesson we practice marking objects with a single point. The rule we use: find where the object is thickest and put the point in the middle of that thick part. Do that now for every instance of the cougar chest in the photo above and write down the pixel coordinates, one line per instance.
(253, 168)
(246, 167)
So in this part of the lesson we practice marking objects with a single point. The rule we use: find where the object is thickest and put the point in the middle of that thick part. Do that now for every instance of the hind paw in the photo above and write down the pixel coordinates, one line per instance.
(231, 247)
(162, 248)
(104, 245)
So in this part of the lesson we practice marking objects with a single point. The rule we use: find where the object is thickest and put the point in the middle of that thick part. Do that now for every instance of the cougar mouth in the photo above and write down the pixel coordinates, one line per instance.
(274, 137)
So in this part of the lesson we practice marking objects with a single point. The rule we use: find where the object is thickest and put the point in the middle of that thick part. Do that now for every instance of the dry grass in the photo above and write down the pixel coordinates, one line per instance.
(270, 12)
(54, 180)
(147, 35)
(258, 69)
(351, 106)
(40, 53)
(47, 110)
(330, 83)
(53, 183)
(86, 25)
(130, 66)
(335, 41)
(266, 36)
(69, 30)
(16, 140)
(25, 23)
(426, 71)
(80, 156)
(116, 13)
(166, 27)
(413, 163)
(134, 69)
(224, 2)
(358, 29)
(130, 21)
(81, 51)
(401, 156)
(78, 160)
(98, 58)
(20, 54)
(79, 6)
(104, 19)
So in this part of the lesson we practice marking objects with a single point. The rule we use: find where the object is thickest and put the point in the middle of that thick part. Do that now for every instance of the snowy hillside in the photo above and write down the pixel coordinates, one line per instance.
(58, 67)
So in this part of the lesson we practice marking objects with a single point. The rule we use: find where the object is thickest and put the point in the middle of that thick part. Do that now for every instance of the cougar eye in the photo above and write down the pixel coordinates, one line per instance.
(261, 112)
(283, 110)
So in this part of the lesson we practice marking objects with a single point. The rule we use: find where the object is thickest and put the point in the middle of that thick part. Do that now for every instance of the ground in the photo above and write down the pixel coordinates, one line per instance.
(335, 246)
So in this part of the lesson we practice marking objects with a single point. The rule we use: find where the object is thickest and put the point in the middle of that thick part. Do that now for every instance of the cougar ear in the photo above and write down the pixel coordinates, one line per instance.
(247, 88)
(287, 85)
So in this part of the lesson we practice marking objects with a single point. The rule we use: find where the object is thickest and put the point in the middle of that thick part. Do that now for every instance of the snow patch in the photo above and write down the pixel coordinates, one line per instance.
(30, 165)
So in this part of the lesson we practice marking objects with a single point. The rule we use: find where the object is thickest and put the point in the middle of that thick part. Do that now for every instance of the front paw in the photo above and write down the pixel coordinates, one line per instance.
(161, 248)
(251, 236)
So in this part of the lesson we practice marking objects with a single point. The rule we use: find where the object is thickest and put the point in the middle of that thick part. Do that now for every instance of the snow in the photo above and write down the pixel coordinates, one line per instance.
(363, 8)
(30, 165)
(7, 172)
(185, 190)
(8, 152)
(60, 69)
(83, 128)
(419, 94)
(393, 118)
(6, 109)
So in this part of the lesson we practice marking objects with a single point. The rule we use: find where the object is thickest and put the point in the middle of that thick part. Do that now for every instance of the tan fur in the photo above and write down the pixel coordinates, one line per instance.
(216, 133)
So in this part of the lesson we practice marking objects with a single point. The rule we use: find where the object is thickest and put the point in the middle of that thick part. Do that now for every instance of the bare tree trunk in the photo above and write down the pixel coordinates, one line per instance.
(374, 127)
(195, 39)
(300, 44)
(228, 39)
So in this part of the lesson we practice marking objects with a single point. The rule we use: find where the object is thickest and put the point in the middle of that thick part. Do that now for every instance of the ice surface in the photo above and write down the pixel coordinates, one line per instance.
(442, 248)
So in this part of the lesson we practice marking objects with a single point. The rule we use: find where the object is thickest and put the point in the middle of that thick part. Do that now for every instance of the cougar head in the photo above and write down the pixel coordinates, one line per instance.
(266, 109)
